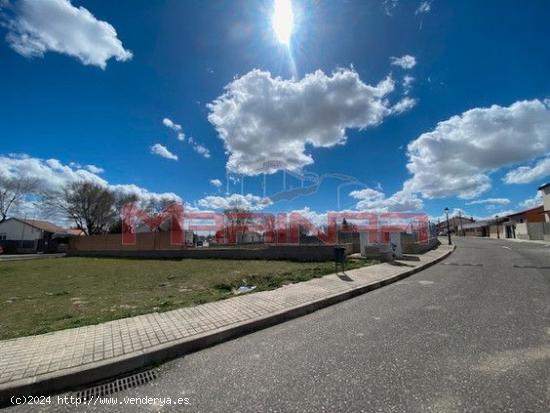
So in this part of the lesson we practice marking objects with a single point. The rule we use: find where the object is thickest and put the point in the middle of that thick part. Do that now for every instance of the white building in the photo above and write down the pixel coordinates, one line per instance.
(545, 189)
(27, 235)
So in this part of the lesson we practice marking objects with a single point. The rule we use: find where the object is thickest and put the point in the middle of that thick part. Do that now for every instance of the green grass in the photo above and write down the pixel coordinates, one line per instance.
(40, 296)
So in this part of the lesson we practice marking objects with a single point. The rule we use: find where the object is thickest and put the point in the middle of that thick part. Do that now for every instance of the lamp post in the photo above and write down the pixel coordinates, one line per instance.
(498, 233)
(448, 226)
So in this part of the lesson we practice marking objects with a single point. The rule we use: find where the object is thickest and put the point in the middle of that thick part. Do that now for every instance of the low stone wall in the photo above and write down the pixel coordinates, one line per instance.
(147, 241)
(536, 230)
(264, 252)
(410, 245)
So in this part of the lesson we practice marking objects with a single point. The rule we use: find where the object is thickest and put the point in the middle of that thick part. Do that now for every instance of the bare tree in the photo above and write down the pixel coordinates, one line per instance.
(155, 207)
(158, 205)
(89, 205)
(121, 199)
(236, 216)
(12, 193)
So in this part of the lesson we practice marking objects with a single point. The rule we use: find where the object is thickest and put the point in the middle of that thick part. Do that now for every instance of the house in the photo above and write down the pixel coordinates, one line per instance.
(456, 224)
(75, 232)
(28, 235)
(545, 190)
(492, 228)
(476, 229)
(528, 224)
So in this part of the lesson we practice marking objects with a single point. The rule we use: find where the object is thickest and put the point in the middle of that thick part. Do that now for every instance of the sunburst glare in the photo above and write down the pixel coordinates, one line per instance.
(282, 21)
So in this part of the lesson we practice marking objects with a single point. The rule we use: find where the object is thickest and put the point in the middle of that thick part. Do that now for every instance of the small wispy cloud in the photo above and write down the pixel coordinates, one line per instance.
(389, 6)
(170, 124)
(405, 62)
(202, 150)
(216, 182)
(403, 105)
(95, 169)
(162, 151)
(490, 201)
(424, 7)
(407, 83)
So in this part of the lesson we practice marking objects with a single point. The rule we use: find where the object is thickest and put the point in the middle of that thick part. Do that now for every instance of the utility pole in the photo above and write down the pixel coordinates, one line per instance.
(448, 226)
(460, 223)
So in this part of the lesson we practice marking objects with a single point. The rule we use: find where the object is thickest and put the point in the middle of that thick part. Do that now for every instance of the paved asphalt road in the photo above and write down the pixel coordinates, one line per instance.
(469, 334)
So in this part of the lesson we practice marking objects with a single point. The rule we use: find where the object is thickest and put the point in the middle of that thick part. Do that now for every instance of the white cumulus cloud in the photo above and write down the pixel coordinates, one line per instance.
(456, 158)
(269, 120)
(38, 26)
(160, 150)
(319, 219)
(52, 175)
(374, 200)
(248, 202)
(534, 202)
(144, 194)
(527, 174)
(405, 62)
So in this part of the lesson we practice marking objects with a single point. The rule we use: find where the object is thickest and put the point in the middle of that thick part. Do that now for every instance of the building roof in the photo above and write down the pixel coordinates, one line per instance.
(544, 185)
(41, 225)
(538, 209)
(75, 231)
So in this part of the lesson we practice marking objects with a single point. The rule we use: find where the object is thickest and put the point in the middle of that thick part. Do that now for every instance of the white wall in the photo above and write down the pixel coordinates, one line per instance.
(546, 201)
(16, 230)
(521, 231)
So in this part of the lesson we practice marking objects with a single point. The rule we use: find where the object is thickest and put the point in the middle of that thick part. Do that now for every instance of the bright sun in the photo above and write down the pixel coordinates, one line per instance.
(282, 20)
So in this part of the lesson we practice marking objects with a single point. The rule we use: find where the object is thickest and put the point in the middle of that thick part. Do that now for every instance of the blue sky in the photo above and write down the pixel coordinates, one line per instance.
(78, 93)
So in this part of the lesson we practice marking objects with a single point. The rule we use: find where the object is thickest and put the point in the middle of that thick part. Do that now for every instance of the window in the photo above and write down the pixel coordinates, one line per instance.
(3, 237)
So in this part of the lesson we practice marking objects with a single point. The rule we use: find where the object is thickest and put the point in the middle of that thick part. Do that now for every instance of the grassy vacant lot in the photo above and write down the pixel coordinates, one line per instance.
(39, 296)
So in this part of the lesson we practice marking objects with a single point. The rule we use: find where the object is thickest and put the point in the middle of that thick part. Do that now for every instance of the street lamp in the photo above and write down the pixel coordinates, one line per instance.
(448, 226)
(498, 233)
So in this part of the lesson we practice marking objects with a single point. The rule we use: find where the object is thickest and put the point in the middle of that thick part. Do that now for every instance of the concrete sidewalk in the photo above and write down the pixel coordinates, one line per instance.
(68, 358)
(528, 241)
(22, 257)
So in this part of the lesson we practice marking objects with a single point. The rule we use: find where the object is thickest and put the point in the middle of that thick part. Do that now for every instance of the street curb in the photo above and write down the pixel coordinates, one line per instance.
(78, 376)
